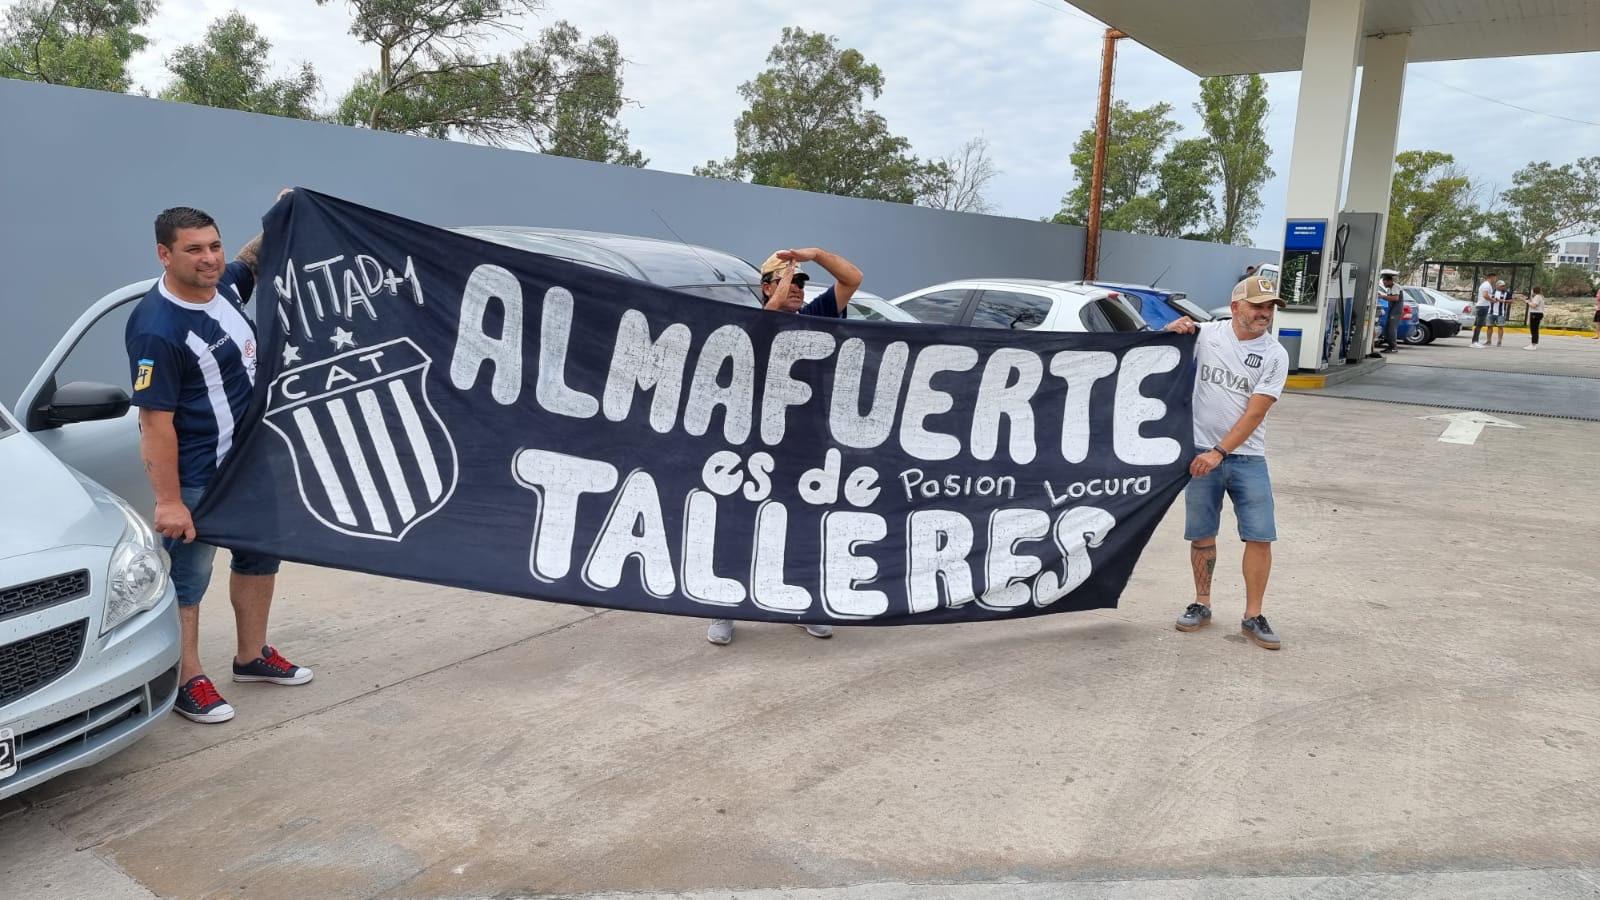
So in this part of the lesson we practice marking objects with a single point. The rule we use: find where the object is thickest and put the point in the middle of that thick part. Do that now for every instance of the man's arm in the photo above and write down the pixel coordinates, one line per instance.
(846, 277)
(1254, 413)
(250, 253)
(158, 448)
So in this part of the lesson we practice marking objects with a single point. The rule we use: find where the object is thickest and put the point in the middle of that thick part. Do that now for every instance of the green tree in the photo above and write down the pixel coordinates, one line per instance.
(1431, 209)
(807, 127)
(1547, 203)
(1134, 147)
(1567, 280)
(80, 43)
(1183, 200)
(228, 69)
(559, 94)
(1233, 111)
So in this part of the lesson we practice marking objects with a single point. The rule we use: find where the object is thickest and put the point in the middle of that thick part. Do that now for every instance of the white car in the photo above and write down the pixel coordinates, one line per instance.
(865, 305)
(1434, 320)
(1022, 303)
(88, 618)
(1460, 309)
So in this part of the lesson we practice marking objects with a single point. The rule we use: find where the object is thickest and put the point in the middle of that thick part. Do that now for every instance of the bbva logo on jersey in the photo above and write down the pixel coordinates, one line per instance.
(371, 456)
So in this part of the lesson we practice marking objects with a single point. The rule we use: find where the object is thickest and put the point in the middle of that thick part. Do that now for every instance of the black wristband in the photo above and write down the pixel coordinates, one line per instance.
(1220, 452)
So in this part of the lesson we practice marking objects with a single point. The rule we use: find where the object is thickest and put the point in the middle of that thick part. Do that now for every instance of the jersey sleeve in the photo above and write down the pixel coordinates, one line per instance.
(239, 275)
(157, 368)
(1275, 376)
(826, 305)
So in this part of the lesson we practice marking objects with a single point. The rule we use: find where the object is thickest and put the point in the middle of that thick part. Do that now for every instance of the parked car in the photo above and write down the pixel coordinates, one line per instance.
(865, 305)
(1159, 306)
(1024, 303)
(1408, 322)
(1460, 309)
(1433, 322)
(88, 619)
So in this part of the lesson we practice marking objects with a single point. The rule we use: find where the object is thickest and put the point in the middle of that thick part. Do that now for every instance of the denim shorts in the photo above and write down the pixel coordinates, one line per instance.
(1245, 479)
(191, 562)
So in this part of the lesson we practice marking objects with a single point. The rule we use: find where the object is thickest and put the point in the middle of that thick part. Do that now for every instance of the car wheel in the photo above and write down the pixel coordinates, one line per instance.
(1420, 333)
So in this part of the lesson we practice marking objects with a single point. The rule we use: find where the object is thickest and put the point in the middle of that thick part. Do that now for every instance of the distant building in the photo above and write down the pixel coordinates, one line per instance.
(1585, 254)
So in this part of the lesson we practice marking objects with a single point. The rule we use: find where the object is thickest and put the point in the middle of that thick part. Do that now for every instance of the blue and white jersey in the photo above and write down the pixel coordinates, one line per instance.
(199, 361)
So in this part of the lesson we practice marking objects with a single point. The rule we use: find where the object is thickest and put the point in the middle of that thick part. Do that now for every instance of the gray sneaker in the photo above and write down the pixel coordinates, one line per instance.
(720, 632)
(1256, 629)
(1196, 615)
(818, 631)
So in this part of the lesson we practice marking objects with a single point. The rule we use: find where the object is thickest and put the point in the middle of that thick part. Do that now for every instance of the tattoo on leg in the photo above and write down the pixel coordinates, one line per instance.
(1203, 559)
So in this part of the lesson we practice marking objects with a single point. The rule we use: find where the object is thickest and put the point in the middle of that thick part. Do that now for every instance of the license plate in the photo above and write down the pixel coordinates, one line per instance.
(8, 753)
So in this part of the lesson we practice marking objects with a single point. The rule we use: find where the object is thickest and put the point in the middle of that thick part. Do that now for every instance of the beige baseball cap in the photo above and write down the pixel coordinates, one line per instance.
(774, 266)
(1256, 291)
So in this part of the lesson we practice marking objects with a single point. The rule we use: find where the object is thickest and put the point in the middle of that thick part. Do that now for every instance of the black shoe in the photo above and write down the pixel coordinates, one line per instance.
(198, 701)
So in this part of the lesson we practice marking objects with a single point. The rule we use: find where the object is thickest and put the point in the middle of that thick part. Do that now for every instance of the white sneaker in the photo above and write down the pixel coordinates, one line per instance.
(720, 632)
(1477, 346)
(818, 631)
(1531, 347)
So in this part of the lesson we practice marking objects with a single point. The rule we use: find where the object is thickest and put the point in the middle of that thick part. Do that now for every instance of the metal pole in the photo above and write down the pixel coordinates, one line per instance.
(1102, 137)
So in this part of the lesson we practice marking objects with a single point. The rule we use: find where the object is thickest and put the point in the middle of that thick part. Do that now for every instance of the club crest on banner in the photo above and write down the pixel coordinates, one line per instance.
(371, 456)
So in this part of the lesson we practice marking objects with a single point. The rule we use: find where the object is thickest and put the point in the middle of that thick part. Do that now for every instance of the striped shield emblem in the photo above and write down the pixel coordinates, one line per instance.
(370, 454)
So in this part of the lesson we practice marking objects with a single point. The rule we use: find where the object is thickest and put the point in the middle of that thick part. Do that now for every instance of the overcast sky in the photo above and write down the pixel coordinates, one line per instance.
(1021, 73)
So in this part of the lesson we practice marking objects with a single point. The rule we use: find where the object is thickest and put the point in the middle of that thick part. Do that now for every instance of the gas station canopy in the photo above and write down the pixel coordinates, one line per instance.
(1236, 37)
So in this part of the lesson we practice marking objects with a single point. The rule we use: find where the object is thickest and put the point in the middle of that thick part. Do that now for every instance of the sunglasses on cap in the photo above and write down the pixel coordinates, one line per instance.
(800, 278)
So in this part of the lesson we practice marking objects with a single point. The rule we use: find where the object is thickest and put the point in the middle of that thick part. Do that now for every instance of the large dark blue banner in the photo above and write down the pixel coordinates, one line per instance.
(439, 408)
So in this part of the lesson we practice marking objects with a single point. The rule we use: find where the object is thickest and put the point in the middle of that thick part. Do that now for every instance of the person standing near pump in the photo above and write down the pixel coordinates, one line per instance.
(1389, 292)
(192, 351)
(1535, 316)
(1241, 372)
(783, 287)
(1480, 308)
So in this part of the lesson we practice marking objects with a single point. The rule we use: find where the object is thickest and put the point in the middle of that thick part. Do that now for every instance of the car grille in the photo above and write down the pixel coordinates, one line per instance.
(34, 662)
(22, 598)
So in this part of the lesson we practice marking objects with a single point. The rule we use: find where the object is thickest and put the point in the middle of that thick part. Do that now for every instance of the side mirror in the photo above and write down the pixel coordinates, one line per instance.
(85, 401)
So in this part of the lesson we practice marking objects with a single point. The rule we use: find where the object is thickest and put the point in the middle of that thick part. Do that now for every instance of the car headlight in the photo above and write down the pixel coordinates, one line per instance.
(137, 575)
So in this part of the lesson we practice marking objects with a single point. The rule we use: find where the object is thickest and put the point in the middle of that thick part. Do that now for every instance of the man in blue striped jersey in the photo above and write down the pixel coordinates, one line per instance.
(192, 350)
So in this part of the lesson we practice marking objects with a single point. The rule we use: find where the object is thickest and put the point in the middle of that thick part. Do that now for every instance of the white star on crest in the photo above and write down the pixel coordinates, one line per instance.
(342, 339)
(291, 355)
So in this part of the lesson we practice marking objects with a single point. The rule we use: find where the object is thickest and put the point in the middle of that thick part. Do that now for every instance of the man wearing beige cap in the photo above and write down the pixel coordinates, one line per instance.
(1240, 371)
(783, 286)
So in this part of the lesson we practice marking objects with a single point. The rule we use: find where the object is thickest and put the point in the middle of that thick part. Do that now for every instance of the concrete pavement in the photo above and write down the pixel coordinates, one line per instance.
(1428, 730)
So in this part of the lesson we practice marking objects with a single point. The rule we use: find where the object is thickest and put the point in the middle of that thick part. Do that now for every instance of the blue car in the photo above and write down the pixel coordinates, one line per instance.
(1408, 321)
(1159, 306)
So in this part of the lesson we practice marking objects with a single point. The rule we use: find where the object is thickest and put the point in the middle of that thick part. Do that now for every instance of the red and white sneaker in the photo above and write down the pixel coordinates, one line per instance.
(198, 701)
(272, 667)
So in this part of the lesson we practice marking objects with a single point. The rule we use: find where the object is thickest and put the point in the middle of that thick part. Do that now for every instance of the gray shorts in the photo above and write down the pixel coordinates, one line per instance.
(1497, 318)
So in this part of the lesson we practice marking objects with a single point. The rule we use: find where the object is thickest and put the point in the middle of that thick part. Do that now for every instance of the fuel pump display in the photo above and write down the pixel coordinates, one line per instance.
(1304, 241)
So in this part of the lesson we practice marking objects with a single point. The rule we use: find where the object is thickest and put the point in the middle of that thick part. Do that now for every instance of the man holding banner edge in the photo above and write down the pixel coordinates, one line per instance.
(1240, 372)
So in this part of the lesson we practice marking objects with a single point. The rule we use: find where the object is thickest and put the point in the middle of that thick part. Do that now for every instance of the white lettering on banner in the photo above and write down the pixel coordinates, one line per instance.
(767, 587)
(1076, 531)
(555, 331)
(1133, 408)
(924, 402)
(727, 348)
(1001, 397)
(474, 347)
(1098, 487)
(1080, 369)
(843, 570)
(820, 486)
(722, 476)
(783, 390)
(558, 480)
(849, 427)
(915, 483)
(357, 283)
(633, 530)
(700, 582)
(937, 545)
(655, 366)
(938, 542)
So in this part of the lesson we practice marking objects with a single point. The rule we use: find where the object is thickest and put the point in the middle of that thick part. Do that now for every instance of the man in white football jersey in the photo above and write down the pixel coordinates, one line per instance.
(1240, 371)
